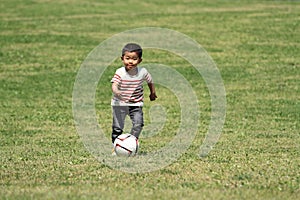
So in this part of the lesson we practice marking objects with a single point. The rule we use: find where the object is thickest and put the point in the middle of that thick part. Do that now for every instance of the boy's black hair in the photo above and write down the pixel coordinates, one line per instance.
(133, 47)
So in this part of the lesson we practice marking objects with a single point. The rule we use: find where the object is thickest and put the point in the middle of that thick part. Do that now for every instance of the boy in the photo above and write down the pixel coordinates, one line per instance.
(127, 88)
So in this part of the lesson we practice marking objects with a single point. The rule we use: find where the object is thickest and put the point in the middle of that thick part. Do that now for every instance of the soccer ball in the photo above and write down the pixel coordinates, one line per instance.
(126, 145)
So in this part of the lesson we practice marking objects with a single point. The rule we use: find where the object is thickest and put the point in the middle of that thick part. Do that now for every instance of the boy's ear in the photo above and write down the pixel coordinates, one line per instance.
(140, 60)
(122, 57)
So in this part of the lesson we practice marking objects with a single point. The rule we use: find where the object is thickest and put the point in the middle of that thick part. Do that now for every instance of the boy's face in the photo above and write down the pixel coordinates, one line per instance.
(131, 60)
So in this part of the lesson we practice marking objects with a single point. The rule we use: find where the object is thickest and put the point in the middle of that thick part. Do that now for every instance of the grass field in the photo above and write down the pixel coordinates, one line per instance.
(256, 46)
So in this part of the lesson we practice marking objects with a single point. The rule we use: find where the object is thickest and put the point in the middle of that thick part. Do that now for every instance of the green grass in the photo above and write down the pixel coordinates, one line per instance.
(255, 45)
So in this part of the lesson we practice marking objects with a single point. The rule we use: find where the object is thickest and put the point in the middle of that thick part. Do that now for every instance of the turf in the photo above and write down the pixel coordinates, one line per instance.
(255, 45)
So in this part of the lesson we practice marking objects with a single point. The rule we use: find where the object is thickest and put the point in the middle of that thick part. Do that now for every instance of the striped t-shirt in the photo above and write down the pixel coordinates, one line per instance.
(131, 87)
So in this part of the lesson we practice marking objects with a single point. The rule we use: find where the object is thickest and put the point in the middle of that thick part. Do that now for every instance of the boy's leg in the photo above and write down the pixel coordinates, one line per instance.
(119, 114)
(136, 116)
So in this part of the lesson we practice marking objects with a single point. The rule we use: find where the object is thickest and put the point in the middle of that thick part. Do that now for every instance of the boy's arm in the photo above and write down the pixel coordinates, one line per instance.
(152, 95)
(115, 90)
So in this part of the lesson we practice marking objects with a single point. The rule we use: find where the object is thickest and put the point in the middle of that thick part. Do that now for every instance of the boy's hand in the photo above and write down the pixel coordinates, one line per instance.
(152, 96)
(118, 94)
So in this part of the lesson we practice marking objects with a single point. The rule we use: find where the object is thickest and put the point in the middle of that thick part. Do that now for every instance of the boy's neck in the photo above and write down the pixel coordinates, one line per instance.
(132, 71)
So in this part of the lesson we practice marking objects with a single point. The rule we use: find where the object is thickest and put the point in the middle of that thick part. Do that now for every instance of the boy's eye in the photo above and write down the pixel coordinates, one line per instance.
(128, 58)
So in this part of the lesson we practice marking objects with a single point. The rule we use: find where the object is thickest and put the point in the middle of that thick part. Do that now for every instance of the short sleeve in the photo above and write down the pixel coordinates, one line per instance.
(147, 76)
(117, 77)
